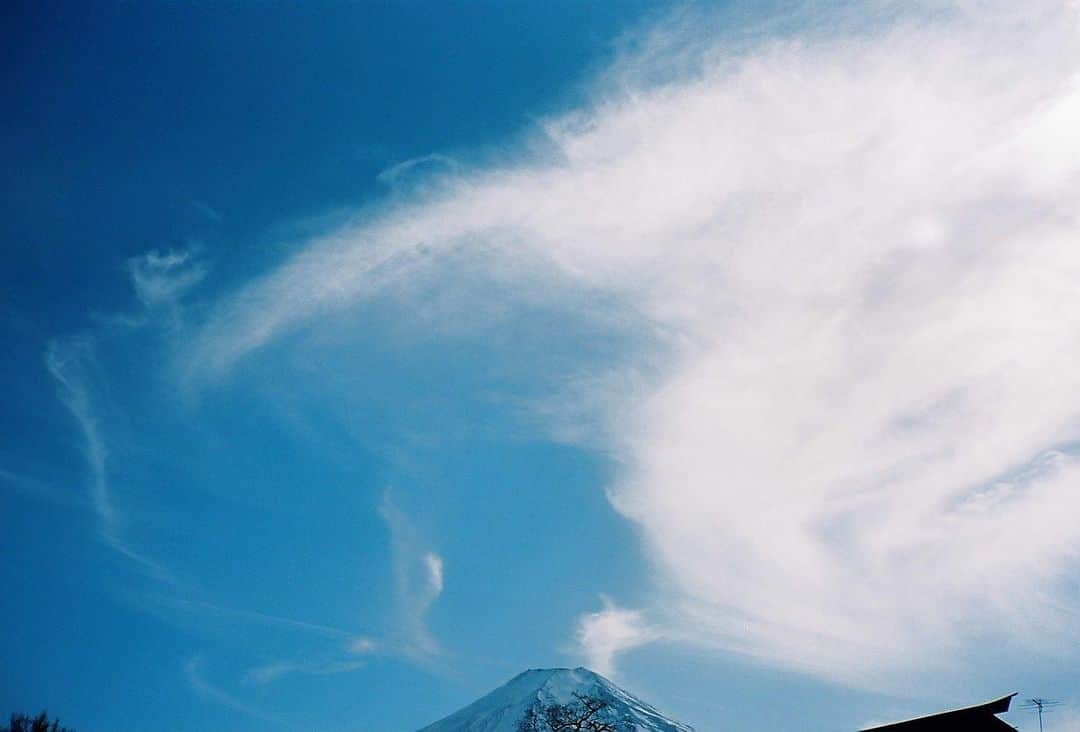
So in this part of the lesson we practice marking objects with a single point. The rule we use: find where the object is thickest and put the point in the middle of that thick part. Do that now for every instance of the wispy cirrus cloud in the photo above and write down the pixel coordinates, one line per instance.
(424, 164)
(211, 610)
(858, 248)
(162, 277)
(159, 280)
(418, 580)
(271, 672)
(194, 671)
(207, 211)
(66, 362)
(34, 488)
(69, 362)
(325, 650)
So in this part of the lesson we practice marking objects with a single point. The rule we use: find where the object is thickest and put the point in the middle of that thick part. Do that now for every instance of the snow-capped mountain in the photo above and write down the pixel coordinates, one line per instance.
(537, 690)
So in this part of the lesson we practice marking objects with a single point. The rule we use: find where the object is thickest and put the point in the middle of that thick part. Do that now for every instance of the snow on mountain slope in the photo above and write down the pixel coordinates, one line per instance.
(503, 709)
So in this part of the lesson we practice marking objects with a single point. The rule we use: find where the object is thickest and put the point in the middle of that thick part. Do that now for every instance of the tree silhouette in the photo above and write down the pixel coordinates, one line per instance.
(40, 723)
(583, 714)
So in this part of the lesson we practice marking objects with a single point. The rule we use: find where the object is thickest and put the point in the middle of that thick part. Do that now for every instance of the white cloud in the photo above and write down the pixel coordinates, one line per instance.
(398, 172)
(162, 277)
(346, 652)
(221, 613)
(34, 488)
(361, 645)
(272, 672)
(70, 362)
(418, 578)
(208, 211)
(197, 680)
(158, 279)
(434, 565)
(862, 252)
(66, 363)
(603, 635)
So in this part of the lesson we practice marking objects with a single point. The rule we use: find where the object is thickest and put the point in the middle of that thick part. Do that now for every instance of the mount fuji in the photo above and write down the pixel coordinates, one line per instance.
(534, 692)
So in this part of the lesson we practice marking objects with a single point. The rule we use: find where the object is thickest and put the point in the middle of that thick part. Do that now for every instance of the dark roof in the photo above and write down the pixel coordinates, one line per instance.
(979, 718)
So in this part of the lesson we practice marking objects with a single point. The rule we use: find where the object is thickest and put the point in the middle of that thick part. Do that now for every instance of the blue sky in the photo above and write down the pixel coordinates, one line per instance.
(361, 356)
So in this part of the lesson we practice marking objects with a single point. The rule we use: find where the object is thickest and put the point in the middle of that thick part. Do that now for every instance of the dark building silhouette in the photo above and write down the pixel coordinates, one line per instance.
(979, 718)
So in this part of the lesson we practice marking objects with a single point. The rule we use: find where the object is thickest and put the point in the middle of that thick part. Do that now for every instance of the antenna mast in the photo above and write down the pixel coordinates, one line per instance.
(1039, 705)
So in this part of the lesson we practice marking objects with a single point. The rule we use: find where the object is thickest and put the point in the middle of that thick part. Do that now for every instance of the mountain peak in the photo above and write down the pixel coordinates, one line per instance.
(541, 688)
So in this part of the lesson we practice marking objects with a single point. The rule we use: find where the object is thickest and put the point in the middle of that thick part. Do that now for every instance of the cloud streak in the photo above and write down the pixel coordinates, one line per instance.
(860, 249)
(159, 280)
(65, 362)
(403, 170)
(218, 611)
(197, 680)
(162, 277)
(68, 362)
(272, 672)
(418, 580)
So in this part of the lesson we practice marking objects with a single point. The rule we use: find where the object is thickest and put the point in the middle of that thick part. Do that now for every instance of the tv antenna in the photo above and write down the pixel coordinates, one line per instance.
(1040, 705)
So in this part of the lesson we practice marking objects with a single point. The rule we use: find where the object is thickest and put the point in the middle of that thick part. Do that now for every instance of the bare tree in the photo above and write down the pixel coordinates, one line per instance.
(583, 714)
